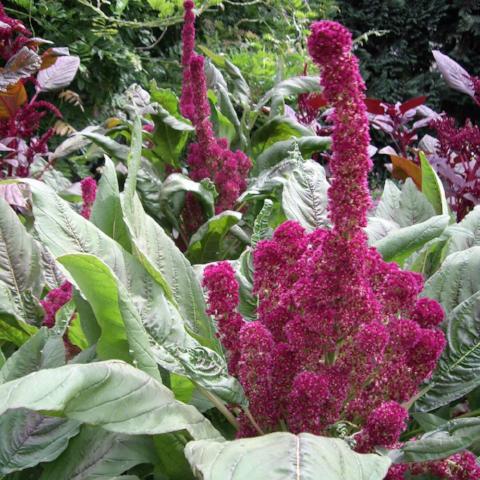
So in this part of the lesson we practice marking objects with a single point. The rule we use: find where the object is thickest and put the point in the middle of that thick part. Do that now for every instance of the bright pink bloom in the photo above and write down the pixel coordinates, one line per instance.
(383, 427)
(209, 157)
(54, 301)
(349, 198)
(348, 336)
(188, 44)
(461, 466)
(89, 192)
(223, 295)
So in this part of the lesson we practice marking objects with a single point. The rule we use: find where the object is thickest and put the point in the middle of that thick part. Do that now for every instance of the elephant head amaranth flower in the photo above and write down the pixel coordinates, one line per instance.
(341, 335)
(209, 157)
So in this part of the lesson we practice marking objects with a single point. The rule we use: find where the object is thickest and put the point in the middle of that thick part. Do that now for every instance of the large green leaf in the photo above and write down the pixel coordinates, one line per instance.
(291, 86)
(112, 395)
(458, 371)
(399, 244)
(124, 335)
(449, 438)
(304, 196)
(42, 350)
(66, 232)
(107, 211)
(275, 130)
(28, 438)
(19, 265)
(456, 280)
(163, 260)
(172, 195)
(432, 187)
(283, 456)
(308, 145)
(97, 453)
(206, 243)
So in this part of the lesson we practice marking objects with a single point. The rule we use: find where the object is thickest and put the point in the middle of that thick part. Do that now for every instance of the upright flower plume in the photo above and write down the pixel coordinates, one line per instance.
(209, 157)
(89, 191)
(343, 336)
(188, 42)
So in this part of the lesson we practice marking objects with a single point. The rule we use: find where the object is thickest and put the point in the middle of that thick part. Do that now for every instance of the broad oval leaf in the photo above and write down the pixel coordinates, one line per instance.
(283, 456)
(456, 280)
(112, 394)
(97, 453)
(304, 196)
(443, 441)
(281, 150)
(28, 438)
(58, 75)
(432, 187)
(458, 371)
(400, 244)
(20, 262)
(206, 243)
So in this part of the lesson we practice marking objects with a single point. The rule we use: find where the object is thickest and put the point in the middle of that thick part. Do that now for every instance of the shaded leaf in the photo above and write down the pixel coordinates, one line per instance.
(111, 394)
(458, 371)
(206, 243)
(97, 453)
(28, 438)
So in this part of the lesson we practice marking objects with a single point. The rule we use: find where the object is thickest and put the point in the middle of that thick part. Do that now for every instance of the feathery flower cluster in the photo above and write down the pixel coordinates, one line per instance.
(209, 157)
(89, 191)
(341, 335)
(54, 301)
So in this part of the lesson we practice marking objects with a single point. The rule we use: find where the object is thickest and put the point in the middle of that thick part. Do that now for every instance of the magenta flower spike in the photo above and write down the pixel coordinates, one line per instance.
(341, 335)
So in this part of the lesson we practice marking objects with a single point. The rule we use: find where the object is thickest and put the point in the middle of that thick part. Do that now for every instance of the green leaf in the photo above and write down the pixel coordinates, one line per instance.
(304, 196)
(261, 226)
(428, 421)
(75, 334)
(280, 150)
(283, 456)
(172, 461)
(241, 89)
(218, 84)
(43, 350)
(449, 438)
(456, 280)
(19, 265)
(293, 86)
(165, 263)
(64, 231)
(107, 210)
(123, 335)
(28, 438)
(97, 453)
(108, 144)
(413, 206)
(206, 243)
(172, 195)
(432, 187)
(112, 395)
(458, 371)
(275, 130)
(399, 244)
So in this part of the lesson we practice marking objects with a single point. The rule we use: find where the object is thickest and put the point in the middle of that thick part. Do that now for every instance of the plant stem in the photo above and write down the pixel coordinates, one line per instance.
(220, 405)
(252, 421)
